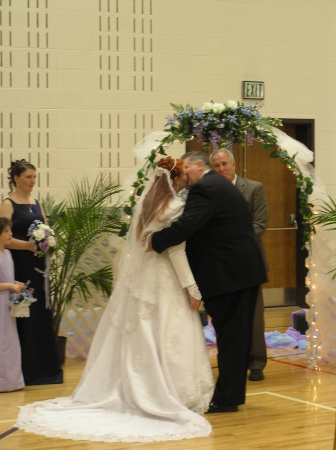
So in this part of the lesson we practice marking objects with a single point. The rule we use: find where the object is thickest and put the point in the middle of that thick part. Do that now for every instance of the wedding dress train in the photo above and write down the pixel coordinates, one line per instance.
(148, 374)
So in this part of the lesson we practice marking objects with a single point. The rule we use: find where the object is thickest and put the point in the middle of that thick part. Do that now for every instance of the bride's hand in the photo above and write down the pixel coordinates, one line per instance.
(194, 303)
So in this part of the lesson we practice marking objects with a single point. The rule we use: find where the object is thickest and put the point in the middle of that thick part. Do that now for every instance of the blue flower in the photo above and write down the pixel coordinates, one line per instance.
(170, 121)
(247, 112)
(186, 113)
(180, 116)
(232, 119)
(33, 227)
(198, 114)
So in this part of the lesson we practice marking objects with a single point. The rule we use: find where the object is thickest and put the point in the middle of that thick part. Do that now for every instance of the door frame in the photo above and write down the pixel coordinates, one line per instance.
(305, 133)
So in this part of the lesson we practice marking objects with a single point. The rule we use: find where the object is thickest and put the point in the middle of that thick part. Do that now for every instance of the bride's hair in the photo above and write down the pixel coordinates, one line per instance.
(160, 194)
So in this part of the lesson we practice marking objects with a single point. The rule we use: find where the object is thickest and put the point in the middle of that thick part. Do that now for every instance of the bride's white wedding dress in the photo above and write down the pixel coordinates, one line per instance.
(148, 374)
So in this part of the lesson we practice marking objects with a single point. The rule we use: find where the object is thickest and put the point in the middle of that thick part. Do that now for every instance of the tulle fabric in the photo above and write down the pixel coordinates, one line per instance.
(148, 374)
(321, 316)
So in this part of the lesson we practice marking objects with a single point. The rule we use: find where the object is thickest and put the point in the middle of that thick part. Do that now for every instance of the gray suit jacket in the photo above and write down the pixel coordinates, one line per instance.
(254, 194)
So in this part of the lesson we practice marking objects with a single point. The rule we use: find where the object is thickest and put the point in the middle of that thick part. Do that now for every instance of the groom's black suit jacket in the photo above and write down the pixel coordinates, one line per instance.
(220, 242)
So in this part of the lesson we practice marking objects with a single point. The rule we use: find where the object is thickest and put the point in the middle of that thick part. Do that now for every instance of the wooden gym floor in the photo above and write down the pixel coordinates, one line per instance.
(293, 408)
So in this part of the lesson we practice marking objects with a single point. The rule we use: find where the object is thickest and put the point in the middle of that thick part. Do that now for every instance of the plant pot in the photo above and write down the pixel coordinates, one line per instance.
(61, 346)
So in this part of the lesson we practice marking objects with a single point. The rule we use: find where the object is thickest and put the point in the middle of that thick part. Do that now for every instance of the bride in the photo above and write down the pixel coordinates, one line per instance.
(148, 374)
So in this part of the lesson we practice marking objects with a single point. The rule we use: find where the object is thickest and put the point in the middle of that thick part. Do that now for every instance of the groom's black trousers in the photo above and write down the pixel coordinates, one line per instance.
(232, 316)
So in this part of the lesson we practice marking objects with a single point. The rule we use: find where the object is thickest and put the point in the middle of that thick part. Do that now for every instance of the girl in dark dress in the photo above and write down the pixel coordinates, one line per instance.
(40, 362)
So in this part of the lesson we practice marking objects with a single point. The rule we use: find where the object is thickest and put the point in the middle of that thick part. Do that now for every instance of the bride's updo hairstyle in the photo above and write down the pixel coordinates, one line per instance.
(160, 194)
(174, 166)
(17, 168)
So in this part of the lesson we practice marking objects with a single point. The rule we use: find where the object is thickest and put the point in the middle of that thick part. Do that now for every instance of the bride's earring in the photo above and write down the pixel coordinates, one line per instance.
(177, 186)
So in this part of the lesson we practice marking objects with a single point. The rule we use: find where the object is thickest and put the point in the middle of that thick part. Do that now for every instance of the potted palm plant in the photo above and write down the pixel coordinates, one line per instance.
(79, 222)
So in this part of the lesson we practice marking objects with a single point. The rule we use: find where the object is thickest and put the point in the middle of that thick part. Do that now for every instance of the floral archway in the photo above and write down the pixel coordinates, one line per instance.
(219, 125)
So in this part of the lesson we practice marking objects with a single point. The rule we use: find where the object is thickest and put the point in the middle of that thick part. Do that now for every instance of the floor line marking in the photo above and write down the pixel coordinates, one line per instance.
(287, 355)
(8, 421)
(303, 367)
(305, 402)
(8, 432)
(256, 393)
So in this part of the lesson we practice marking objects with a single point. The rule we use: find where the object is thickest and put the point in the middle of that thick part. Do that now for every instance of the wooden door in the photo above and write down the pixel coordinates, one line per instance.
(280, 238)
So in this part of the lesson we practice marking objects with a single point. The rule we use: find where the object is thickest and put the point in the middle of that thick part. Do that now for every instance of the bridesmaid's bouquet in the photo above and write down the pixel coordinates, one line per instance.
(43, 237)
(19, 303)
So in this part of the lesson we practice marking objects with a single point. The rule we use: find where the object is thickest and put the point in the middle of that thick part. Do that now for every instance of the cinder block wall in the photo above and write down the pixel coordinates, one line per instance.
(82, 80)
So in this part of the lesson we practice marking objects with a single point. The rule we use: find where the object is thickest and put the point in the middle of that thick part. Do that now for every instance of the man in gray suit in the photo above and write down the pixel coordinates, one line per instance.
(223, 163)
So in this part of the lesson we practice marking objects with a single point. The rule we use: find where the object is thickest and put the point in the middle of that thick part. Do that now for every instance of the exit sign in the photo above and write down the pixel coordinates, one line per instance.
(254, 89)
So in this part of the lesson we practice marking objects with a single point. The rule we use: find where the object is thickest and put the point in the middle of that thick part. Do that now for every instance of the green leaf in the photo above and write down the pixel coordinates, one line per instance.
(177, 108)
(123, 231)
(128, 210)
(268, 146)
(274, 154)
(140, 191)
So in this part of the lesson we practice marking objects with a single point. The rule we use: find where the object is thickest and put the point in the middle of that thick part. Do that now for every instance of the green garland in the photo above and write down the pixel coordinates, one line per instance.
(219, 125)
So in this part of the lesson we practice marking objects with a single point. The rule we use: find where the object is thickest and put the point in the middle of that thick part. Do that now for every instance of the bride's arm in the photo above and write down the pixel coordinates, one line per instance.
(180, 263)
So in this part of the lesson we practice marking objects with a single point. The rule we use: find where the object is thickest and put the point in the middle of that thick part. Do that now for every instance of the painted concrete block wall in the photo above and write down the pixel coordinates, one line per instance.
(82, 80)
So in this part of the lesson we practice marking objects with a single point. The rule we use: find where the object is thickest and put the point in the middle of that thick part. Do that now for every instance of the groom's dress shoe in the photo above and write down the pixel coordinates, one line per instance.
(256, 375)
(213, 408)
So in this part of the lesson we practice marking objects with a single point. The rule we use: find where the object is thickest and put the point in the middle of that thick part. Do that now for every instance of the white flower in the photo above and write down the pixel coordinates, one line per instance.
(51, 241)
(218, 107)
(38, 235)
(232, 104)
(43, 226)
(207, 107)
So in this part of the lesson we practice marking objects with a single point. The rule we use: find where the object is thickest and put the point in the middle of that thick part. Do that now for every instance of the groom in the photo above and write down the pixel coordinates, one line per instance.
(227, 266)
